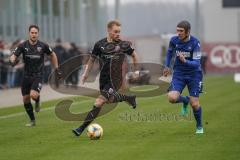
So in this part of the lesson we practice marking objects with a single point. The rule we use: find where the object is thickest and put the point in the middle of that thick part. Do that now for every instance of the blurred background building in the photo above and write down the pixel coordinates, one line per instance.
(148, 23)
(84, 21)
(79, 21)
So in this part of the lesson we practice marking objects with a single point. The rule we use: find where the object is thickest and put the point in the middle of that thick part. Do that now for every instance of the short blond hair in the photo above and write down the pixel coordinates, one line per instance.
(112, 23)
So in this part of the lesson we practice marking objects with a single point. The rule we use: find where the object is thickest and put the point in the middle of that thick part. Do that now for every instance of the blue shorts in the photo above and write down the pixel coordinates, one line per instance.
(193, 81)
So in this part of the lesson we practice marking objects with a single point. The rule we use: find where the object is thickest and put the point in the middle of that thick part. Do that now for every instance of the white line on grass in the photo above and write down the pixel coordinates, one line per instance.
(51, 108)
(42, 110)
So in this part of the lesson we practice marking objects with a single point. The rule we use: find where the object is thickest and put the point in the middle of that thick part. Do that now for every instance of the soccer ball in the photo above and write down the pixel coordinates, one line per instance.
(94, 131)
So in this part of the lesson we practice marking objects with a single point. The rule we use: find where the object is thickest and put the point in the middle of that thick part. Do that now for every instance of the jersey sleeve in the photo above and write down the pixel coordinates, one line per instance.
(130, 51)
(47, 49)
(195, 62)
(18, 50)
(169, 53)
(96, 50)
(197, 51)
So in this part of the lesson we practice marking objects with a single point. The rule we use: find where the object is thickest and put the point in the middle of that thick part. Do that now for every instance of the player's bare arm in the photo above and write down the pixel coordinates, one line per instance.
(134, 60)
(13, 59)
(87, 69)
(54, 60)
(166, 71)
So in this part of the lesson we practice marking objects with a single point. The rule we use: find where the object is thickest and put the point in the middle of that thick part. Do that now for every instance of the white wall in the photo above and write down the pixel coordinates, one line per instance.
(220, 24)
(148, 49)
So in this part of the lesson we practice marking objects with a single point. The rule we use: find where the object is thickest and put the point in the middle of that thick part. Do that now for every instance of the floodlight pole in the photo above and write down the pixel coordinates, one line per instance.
(117, 6)
(197, 18)
(238, 17)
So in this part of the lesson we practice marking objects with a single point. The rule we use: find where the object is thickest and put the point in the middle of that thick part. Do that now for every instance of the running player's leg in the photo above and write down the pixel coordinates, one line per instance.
(197, 111)
(99, 102)
(107, 96)
(35, 92)
(194, 87)
(174, 94)
(25, 88)
(113, 97)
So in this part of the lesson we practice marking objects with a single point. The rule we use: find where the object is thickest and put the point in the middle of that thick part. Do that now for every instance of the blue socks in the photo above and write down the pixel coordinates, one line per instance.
(198, 116)
(197, 113)
(183, 99)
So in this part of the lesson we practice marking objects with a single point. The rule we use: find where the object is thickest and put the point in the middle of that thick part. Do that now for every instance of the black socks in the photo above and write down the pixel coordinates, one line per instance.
(90, 117)
(29, 109)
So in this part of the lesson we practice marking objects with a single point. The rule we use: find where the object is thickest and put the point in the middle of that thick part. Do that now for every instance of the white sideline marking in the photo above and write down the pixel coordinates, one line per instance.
(42, 110)
(237, 77)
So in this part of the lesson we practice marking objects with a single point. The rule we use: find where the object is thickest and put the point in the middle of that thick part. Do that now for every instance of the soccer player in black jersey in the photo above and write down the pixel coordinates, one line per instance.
(111, 52)
(33, 52)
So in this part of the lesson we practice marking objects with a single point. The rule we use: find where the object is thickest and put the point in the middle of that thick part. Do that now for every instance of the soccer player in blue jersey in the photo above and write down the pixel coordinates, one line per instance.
(186, 71)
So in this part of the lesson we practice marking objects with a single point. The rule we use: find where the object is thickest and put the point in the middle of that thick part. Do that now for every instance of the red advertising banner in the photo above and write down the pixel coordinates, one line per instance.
(222, 57)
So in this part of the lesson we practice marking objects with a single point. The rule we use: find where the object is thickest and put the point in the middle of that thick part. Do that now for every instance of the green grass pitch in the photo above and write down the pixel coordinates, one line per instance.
(131, 134)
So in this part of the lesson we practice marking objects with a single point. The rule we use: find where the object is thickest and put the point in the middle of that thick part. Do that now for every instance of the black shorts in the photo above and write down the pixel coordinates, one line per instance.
(31, 83)
(106, 90)
(105, 83)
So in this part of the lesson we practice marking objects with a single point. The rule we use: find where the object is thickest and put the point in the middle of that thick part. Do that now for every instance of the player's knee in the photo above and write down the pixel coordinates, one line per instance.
(111, 99)
(195, 104)
(99, 102)
(34, 96)
(26, 99)
(172, 98)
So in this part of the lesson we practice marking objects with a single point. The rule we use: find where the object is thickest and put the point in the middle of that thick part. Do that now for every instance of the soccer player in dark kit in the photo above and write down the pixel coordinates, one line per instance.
(33, 52)
(107, 50)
